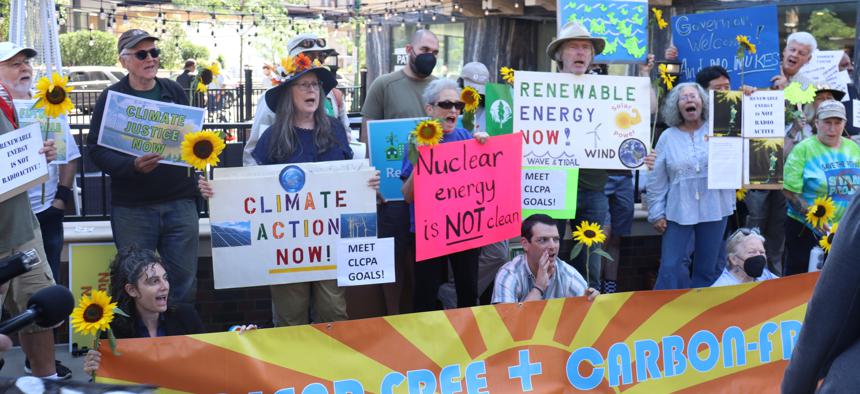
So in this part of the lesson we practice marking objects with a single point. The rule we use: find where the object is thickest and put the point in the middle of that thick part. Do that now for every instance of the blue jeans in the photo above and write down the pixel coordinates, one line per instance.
(171, 228)
(593, 207)
(673, 273)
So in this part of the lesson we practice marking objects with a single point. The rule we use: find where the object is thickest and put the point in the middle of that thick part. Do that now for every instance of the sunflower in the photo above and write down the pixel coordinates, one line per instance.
(658, 15)
(53, 95)
(202, 148)
(741, 194)
(589, 233)
(303, 62)
(827, 240)
(668, 79)
(471, 97)
(507, 75)
(215, 68)
(201, 87)
(93, 314)
(428, 133)
(745, 43)
(288, 65)
(821, 212)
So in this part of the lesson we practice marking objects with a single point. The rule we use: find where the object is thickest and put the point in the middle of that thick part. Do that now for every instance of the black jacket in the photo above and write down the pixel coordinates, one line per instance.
(131, 188)
(181, 319)
(184, 80)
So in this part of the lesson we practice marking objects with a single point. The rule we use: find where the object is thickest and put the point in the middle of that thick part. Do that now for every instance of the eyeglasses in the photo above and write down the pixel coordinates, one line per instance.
(451, 104)
(310, 86)
(689, 97)
(310, 42)
(141, 54)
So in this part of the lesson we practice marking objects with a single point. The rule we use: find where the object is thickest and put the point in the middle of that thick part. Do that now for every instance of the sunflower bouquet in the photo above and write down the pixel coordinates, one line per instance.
(93, 316)
(472, 98)
(427, 133)
(589, 236)
(52, 94)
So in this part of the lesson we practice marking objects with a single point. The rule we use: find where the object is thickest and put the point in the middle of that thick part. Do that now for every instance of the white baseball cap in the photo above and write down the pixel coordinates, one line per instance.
(476, 75)
(8, 50)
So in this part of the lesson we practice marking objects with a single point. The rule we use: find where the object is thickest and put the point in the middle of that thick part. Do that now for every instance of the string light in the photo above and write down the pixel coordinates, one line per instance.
(516, 3)
(453, 19)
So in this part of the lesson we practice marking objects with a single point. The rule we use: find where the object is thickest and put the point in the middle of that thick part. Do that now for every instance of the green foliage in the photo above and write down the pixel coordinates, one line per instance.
(76, 50)
(175, 46)
(4, 24)
(827, 25)
(190, 50)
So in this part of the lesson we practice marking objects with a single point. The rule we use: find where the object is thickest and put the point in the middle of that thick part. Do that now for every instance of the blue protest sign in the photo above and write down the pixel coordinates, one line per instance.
(387, 145)
(708, 39)
(622, 23)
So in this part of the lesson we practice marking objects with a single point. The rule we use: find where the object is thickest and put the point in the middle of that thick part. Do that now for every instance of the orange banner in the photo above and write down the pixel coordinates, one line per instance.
(726, 339)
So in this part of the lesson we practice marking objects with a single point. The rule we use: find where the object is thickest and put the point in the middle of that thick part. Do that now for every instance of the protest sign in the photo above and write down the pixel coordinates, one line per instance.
(725, 113)
(21, 164)
(499, 109)
(763, 163)
(725, 163)
(89, 270)
(55, 129)
(708, 340)
(138, 126)
(764, 114)
(550, 191)
(708, 39)
(279, 224)
(622, 23)
(586, 121)
(365, 261)
(466, 195)
(387, 143)
(823, 68)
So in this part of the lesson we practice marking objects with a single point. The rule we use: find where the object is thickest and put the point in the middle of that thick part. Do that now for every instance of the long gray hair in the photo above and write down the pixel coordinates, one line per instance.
(284, 140)
(671, 113)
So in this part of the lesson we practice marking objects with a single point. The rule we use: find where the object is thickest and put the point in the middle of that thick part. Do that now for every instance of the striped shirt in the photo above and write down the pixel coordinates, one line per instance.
(515, 280)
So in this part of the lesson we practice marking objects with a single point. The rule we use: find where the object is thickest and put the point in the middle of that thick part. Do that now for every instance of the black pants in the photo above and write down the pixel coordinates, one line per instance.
(432, 273)
(799, 240)
(51, 224)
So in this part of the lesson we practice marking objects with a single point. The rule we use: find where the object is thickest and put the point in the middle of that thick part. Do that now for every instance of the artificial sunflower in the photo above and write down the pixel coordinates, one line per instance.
(668, 79)
(745, 44)
(821, 212)
(589, 233)
(507, 75)
(796, 94)
(658, 15)
(53, 95)
(93, 314)
(288, 65)
(202, 148)
(741, 194)
(428, 133)
(471, 97)
(827, 240)
(303, 62)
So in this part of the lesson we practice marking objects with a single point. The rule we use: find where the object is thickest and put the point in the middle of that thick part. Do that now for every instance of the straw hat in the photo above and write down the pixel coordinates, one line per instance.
(574, 31)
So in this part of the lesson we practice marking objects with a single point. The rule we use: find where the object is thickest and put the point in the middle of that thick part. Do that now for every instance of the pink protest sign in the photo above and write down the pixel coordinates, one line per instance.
(467, 195)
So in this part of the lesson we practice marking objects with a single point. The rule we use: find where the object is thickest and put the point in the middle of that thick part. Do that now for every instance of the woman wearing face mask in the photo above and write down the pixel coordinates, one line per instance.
(747, 261)
(680, 205)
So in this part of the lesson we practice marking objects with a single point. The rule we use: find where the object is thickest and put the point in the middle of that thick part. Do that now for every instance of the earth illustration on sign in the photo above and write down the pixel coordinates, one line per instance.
(292, 179)
(632, 153)
(501, 112)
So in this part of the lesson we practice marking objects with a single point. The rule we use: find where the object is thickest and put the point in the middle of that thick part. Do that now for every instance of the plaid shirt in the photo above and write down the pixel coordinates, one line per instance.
(514, 281)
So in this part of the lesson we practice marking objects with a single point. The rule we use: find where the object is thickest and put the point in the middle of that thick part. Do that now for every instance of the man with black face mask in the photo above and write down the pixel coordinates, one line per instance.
(394, 96)
(746, 259)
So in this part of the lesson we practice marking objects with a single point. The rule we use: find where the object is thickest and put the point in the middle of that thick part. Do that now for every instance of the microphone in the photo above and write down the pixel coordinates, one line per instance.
(47, 308)
(17, 264)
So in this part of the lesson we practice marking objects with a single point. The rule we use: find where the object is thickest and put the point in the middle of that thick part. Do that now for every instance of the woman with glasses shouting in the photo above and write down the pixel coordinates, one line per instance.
(442, 102)
(679, 201)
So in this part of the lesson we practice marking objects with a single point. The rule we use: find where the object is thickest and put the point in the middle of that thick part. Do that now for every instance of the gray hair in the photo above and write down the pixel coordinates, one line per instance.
(433, 89)
(803, 38)
(671, 114)
(739, 237)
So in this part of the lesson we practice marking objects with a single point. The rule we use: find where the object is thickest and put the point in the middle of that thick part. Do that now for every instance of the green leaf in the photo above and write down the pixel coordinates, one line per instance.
(603, 254)
(120, 312)
(576, 250)
(469, 121)
(112, 341)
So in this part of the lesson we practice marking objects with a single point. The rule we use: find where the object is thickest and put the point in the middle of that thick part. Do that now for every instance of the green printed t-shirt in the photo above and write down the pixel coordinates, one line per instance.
(817, 170)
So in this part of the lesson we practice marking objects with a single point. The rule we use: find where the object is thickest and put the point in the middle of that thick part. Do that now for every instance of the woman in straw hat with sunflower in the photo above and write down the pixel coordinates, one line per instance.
(443, 104)
(821, 175)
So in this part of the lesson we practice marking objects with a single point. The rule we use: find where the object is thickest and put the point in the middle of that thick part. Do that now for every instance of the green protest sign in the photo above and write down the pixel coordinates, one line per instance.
(499, 109)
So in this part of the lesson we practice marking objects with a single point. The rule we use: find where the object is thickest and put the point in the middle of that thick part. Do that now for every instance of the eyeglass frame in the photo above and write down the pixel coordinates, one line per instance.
(308, 86)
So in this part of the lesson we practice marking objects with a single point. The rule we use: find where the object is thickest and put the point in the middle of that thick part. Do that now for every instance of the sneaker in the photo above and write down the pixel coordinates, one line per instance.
(63, 372)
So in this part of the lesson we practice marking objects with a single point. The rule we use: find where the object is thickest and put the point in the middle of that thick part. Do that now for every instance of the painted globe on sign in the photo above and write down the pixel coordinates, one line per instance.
(292, 179)
(632, 153)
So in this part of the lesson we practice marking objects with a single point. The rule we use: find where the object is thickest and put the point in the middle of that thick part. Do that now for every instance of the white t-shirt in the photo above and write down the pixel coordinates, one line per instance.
(727, 279)
(35, 192)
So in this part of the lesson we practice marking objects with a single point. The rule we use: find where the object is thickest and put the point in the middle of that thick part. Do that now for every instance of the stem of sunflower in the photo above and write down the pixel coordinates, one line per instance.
(95, 347)
(656, 114)
(587, 258)
(45, 138)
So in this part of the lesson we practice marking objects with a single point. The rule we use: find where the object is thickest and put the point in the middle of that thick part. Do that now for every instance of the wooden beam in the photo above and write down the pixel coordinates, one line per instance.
(470, 8)
(506, 7)
(549, 5)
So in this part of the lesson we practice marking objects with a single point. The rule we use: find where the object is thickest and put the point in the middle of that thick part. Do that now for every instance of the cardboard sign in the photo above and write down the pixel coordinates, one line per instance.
(499, 109)
(585, 121)
(708, 39)
(52, 129)
(550, 190)
(387, 144)
(622, 23)
(466, 195)
(279, 224)
(21, 164)
(138, 126)
(365, 261)
(764, 114)
(89, 270)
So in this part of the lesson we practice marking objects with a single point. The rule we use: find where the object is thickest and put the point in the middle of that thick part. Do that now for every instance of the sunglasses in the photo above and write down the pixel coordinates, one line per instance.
(309, 43)
(450, 104)
(141, 55)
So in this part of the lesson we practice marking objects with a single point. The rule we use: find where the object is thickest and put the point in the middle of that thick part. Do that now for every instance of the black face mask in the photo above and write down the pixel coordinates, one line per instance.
(754, 266)
(423, 64)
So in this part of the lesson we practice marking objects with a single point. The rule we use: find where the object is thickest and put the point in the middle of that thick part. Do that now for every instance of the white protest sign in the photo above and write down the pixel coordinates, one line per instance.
(856, 113)
(365, 261)
(586, 121)
(764, 114)
(823, 68)
(725, 164)
(280, 223)
(543, 189)
(21, 164)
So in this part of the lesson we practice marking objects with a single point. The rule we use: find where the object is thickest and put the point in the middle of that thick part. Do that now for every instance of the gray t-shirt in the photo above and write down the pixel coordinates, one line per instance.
(16, 218)
(395, 96)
